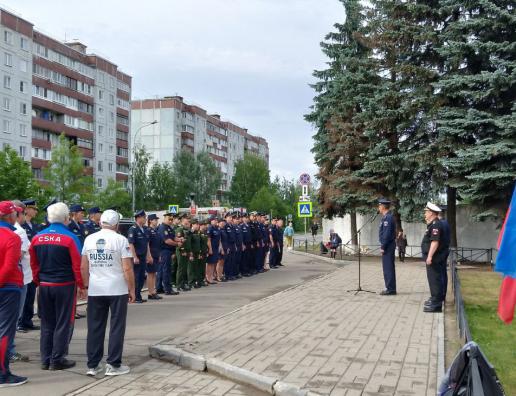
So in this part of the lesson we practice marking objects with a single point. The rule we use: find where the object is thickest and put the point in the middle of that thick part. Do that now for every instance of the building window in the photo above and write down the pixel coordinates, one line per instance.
(23, 86)
(37, 173)
(86, 162)
(24, 44)
(101, 147)
(8, 59)
(99, 166)
(7, 104)
(23, 151)
(112, 116)
(7, 126)
(101, 130)
(24, 65)
(111, 100)
(110, 166)
(99, 183)
(23, 130)
(23, 108)
(101, 94)
(7, 82)
(111, 149)
(8, 37)
(101, 111)
(122, 152)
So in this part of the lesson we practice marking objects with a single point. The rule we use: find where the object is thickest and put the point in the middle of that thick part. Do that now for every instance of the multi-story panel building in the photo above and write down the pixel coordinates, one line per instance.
(181, 126)
(65, 90)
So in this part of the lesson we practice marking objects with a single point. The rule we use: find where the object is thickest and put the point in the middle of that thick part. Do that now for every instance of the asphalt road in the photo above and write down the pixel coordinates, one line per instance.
(150, 322)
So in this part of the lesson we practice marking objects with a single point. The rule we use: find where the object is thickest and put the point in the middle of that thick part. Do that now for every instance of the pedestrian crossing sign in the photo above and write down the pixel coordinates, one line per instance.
(304, 209)
(174, 209)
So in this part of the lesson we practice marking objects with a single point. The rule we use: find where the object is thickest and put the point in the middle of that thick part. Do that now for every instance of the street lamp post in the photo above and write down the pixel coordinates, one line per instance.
(133, 185)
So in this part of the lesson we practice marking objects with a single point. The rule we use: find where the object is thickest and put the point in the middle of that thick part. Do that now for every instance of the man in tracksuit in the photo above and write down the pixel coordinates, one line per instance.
(55, 260)
(11, 284)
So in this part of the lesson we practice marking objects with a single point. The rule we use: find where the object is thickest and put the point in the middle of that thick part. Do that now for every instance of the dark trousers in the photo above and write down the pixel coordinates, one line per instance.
(273, 254)
(445, 276)
(28, 307)
(139, 275)
(258, 257)
(246, 258)
(251, 260)
(389, 271)
(280, 253)
(434, 274)
(228, 262)
(164, 276)
(9, 311)
(99, 308)
(401, 254)
(237, 266)
(56, 305)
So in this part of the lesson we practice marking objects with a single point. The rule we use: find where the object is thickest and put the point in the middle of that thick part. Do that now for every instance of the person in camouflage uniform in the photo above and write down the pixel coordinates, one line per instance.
(173, 272)
(184, 254)
(193, 266)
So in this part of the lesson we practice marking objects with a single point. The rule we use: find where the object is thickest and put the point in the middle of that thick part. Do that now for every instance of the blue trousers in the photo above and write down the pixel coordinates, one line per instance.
(258, 259)
(273, 256)
(56, 305)
(238, 262)
(12, 346)
(9, 312)
(139, 275)
(164, 275)
(389, 271)
(28, 306)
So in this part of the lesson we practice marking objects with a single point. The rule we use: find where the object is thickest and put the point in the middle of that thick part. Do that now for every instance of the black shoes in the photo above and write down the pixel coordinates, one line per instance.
(140, 300)
(160, 291)
(433, 308)
(185, 288)
(155, 297)
(387, 293)
(62, 365)
(45, 366)
(172, 293)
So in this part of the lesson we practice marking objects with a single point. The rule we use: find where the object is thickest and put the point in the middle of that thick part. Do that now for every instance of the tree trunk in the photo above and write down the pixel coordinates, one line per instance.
(451, 215)
(353, 224)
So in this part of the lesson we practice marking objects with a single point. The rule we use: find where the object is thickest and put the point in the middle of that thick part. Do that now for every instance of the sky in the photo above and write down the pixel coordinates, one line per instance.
(249, 60)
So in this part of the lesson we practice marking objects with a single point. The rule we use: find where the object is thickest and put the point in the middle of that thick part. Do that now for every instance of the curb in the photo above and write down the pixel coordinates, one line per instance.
(270, 385)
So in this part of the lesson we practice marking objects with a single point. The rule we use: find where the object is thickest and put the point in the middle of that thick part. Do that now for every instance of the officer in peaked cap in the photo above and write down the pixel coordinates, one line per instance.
(446, 242)
(93, 223)
(31, 211)
(168, 246)
(138, 237)
(434, 252)
(75, 225)
(387, 237)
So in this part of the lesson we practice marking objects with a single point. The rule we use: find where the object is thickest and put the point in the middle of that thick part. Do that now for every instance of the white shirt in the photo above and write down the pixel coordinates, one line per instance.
(105, 250)
(25, 256)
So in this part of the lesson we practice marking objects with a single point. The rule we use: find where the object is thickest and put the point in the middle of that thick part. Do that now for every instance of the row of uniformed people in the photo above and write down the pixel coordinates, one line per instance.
(182, 253)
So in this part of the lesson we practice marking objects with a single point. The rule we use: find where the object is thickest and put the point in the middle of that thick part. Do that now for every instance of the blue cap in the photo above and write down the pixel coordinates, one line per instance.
(152, 216)
(139, 213)
(30, 203)
(384, 201)
(94, 210)
(52, 201)
(76, 208)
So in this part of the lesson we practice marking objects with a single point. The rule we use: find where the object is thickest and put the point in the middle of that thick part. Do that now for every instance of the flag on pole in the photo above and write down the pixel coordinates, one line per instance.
(506, 264)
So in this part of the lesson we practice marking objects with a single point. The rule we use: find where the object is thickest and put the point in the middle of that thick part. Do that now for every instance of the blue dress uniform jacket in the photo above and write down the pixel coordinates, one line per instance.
(78, 230)
(387, 236)
(164, 273)
(31, 229)
(154, 242)
(139, 237)
(90, 227)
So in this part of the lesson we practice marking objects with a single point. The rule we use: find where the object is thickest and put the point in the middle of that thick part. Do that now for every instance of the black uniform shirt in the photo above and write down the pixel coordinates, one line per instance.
(434, 232)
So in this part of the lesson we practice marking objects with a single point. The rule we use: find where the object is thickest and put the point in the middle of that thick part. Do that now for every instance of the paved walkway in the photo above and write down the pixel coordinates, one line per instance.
(320, 337)
(155, 378)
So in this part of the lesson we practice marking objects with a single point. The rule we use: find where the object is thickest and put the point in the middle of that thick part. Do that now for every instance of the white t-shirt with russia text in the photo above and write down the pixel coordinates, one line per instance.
(105, 250)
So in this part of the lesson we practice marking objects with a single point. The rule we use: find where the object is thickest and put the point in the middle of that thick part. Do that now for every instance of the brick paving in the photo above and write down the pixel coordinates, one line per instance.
(320, 337)
(156, 378)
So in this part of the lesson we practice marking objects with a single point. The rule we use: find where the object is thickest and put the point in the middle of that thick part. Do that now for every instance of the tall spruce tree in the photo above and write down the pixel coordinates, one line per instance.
(340, 142)
(477, 121)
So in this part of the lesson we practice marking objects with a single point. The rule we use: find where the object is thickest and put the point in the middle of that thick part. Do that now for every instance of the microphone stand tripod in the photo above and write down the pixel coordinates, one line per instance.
(359, 288)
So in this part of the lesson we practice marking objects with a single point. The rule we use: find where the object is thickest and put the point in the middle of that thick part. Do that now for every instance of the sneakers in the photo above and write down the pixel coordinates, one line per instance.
(111, 370)
(92, 372)
(18, 357)
(11, 380)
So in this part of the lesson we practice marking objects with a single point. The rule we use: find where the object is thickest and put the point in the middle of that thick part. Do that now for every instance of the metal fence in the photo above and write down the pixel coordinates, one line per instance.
(462, 321)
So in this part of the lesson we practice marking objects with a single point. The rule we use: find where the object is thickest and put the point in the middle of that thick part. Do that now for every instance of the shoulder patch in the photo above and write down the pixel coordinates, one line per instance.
(435, 231)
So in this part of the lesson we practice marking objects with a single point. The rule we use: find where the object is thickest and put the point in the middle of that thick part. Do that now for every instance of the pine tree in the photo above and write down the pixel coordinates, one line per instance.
(477, 121)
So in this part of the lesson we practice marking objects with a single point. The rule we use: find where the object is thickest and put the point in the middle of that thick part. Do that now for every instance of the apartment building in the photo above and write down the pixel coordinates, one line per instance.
(182, 126)
(52, 87)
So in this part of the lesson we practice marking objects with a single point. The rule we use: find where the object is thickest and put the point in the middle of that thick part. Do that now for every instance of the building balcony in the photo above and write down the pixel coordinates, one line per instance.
(122, 127)
(59, 128)
(122, 176)
(187, 135)
(122, 143)
(122, 160)
(60, 109)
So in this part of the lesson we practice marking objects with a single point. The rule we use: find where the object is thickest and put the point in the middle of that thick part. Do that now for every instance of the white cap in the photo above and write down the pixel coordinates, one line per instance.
(110, 217)
(432, 207)
(57, 213)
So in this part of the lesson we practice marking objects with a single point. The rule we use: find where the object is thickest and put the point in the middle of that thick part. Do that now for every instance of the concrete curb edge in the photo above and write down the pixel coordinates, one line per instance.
(197, 362)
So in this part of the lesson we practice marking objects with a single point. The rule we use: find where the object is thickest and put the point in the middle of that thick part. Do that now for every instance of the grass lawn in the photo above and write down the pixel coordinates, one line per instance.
(480, 290)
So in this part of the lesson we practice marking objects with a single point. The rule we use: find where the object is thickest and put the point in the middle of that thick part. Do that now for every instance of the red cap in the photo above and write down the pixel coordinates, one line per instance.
(7, 207)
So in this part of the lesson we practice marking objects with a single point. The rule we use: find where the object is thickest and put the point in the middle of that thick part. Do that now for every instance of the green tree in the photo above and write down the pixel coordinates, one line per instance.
(114, 195)
(139, 174)
(65, 173)
(161, 186)
(268, 201)
(16, 180)
(251, 174)
(477, 120)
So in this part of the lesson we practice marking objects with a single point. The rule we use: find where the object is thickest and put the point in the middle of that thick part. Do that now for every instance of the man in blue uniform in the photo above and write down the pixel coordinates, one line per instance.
(246, 243)
(138, 238)
(93, 223)
(239, 244)
(168, 245)
(446, 246)
(273, 243)
(434, 253)
(75, 225)
(153, 267)
(255, 236)
(387, 236)
(229, 260)
(25, 321)
(281, 231)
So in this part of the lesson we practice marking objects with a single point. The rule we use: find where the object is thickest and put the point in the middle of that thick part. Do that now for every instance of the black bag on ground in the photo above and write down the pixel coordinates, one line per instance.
(470, 374)
(323, 248)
